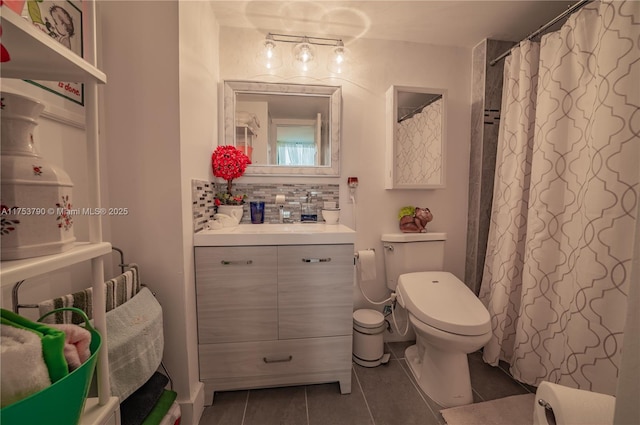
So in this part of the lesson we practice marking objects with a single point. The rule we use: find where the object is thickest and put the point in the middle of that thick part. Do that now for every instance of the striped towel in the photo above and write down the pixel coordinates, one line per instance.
(118, 290)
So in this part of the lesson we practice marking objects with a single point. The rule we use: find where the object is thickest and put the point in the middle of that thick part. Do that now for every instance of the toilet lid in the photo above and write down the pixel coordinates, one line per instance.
(442, 301)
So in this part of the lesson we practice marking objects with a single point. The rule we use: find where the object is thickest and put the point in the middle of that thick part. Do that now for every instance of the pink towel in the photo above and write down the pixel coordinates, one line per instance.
(76, 345)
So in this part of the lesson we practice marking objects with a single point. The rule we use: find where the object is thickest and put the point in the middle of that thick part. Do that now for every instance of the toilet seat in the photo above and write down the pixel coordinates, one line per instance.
(442, 301)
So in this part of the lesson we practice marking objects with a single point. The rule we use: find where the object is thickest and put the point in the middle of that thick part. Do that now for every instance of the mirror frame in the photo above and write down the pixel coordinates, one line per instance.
(392, 120)
(333, 94)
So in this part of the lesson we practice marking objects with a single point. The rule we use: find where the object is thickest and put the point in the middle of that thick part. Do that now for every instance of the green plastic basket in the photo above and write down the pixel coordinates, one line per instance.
(63, 401)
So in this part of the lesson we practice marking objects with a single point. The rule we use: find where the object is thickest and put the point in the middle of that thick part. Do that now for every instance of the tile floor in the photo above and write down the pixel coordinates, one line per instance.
(384, 395)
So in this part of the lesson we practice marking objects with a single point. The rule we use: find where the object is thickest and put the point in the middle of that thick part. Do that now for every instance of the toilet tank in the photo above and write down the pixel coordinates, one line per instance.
(412, 252)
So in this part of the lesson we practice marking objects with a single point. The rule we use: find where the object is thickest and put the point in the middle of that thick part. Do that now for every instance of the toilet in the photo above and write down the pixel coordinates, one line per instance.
(448, 319)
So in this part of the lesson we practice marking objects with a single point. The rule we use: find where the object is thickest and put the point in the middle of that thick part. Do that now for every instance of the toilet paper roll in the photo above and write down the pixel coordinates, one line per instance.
(572, 406)
(280, 199)
(367, 263)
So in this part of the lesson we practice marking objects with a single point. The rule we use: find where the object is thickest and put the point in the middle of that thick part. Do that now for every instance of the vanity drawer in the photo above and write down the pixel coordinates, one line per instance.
(267, 358)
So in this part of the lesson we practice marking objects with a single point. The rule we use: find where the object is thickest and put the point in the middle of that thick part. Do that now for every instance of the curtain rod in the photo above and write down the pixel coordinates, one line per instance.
(563, 15)
(418, 109)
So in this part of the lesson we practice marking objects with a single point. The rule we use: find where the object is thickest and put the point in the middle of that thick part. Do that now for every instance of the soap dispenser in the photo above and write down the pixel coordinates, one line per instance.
(308, 213)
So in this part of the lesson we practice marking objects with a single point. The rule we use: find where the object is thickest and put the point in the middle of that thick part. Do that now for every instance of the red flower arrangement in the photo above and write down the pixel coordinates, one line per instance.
(229, 163)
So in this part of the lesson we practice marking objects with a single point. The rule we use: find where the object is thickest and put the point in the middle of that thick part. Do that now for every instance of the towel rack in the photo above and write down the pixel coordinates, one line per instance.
(16, 306)
(123, 267)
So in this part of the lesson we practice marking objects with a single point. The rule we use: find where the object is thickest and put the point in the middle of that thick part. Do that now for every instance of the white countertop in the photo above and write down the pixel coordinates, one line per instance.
(277, 234)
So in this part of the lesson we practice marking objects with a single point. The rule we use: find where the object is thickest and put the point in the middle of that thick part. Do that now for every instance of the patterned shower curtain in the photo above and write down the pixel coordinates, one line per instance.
(419, 140)
(561, 239)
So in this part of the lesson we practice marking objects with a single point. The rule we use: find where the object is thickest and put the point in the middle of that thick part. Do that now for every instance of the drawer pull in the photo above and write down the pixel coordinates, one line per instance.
(235, 263)
(316, 260)
(288, 359)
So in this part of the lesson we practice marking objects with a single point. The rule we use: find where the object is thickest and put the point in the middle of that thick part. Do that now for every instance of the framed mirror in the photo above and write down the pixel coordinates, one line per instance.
(415, 137)
(286, 129)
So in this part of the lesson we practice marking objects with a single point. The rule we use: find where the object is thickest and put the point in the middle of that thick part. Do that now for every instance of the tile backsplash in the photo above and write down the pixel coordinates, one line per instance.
(295, 195)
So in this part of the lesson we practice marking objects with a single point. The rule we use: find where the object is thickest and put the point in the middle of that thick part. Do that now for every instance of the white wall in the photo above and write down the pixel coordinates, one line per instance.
(161, 127)
(143, 135)
(378, 65)
(198, 129)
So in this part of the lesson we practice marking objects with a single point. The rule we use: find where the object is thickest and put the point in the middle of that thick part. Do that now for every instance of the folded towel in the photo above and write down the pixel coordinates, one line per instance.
(138, 405)
(76, 344)
(135, 342)
(161, 408)
(118, 291)
(173, 416)
(23, 370)
(52, 341)
(249, 119)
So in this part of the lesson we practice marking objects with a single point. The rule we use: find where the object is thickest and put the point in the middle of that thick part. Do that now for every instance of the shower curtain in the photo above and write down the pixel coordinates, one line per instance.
(561, 238)
(419, 144)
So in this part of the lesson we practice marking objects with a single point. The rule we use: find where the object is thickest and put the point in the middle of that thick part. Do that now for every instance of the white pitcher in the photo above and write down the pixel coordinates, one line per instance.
(234, 211)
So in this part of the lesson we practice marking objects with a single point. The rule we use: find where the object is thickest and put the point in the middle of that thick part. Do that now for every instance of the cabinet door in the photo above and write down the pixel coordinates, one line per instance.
(236, 293)
(315, 290)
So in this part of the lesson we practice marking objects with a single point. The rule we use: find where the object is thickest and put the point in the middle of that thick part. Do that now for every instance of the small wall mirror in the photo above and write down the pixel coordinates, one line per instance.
(286, 129)
(416, 138)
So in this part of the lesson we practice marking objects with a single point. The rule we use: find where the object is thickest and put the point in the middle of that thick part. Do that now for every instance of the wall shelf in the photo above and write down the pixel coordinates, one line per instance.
(39, 57)
(16, 270)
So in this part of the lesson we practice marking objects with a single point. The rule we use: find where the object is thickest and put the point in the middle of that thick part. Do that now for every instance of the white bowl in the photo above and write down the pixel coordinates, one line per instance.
(331, 216)
(329, 205)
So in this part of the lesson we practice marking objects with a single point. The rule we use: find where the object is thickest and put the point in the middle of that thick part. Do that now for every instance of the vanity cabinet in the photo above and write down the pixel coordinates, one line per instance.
(274, 316)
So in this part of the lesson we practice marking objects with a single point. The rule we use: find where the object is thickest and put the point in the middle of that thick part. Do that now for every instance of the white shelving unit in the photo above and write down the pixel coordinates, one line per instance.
(244, 138)
(36, 56)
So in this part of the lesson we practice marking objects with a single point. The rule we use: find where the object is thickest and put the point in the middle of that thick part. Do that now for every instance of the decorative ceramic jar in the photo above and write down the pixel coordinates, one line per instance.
(36, 198)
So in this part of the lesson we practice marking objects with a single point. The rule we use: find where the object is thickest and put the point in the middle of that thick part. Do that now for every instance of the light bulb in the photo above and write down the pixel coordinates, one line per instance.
(303, 52)
(268, 55)
(338, 59)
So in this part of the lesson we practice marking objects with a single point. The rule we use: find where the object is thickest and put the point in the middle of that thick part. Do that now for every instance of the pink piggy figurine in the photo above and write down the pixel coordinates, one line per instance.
(414, 220)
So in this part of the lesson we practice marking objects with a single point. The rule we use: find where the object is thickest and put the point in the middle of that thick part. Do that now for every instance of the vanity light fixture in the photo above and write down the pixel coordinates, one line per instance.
(304, 53)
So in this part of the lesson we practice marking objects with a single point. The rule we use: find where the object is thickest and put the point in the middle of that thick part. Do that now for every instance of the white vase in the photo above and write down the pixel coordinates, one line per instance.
(37, 218)
(235, 211)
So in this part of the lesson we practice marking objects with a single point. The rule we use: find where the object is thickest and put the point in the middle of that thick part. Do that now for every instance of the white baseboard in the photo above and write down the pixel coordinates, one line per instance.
(191, 410)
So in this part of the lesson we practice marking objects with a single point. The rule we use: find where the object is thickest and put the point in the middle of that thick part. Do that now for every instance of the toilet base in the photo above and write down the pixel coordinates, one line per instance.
(442, 375)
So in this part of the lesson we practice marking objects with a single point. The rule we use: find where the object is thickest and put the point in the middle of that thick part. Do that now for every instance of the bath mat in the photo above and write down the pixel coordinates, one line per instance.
(513, 410)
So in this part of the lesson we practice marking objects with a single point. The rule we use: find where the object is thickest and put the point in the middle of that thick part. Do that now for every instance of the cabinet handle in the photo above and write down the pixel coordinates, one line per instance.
(316, 260)
(288, 359)
(239, 262)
